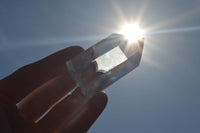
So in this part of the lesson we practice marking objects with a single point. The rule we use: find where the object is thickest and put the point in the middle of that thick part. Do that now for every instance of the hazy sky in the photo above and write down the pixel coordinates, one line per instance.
(161, 96)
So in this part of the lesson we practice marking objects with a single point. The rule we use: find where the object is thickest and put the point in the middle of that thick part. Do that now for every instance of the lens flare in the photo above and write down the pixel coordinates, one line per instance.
(132, 32)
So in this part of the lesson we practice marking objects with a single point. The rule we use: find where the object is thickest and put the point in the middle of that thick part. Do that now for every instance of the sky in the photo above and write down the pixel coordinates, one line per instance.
(161, 95)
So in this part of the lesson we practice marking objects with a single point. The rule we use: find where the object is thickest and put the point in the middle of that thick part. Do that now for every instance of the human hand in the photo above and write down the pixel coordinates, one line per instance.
(41, 85)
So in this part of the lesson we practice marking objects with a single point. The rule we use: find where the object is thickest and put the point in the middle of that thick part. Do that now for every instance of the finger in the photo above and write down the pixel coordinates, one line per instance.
(42, 98)
(68, 111)
(88, 115)
(27, 78)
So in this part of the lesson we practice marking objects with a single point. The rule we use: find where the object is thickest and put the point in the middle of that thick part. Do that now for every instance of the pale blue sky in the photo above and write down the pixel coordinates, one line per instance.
(161, 96)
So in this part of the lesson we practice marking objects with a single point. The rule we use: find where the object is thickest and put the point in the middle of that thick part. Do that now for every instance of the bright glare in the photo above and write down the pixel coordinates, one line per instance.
(132, 32)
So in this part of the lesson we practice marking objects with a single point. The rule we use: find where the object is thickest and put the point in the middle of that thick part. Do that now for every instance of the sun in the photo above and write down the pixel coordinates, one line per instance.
(132, 32)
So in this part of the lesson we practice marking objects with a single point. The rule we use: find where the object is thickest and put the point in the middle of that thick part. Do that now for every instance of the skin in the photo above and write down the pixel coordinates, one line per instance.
(41, 85)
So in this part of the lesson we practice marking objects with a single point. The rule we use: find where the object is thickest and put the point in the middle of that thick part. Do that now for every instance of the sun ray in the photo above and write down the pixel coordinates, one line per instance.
(118, 11)
(90, 39)
(175, 30)
(175, 19)
(150, 48)
(142, 10)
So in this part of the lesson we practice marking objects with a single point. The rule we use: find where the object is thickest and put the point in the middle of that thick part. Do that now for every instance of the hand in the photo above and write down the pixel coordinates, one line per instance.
(38, 87)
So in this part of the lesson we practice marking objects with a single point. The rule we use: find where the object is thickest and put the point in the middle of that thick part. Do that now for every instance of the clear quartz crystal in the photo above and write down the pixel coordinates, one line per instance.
(104, 63)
